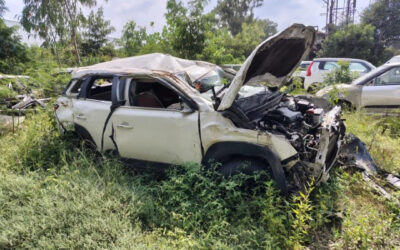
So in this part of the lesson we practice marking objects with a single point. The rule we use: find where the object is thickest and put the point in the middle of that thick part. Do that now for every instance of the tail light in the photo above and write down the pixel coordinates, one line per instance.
(309, 69)
(55, 106)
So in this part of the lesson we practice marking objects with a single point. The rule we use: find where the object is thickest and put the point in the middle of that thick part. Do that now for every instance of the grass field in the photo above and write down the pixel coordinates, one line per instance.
(54, 194)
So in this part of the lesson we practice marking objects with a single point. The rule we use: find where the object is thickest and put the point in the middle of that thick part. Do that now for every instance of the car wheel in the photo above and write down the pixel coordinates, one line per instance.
(246, 165)
(87, 142)
(346, 106)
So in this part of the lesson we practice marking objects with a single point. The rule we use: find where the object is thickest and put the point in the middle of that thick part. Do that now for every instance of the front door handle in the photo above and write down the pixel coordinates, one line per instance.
(81, 117)
(125, 126)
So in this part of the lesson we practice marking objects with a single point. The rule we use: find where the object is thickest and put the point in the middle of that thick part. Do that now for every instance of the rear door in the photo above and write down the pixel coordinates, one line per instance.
(91, 108)
(156, 124)
(383, 92)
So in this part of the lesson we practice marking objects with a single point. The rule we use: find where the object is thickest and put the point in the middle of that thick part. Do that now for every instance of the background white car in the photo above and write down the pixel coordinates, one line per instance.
(319, 67)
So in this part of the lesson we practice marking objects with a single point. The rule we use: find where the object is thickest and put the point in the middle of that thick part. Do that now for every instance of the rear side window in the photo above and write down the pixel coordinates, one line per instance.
(100, 89)
(358, 67)
(76, 88)
(304, 66)
(327, 65)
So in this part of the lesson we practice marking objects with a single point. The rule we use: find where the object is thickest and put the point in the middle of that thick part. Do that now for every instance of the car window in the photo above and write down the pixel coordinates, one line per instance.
(304, 66)
(152, 94)
(328, 65)
(390, 77)
(100, 89)
(358, 67)
(76, 88)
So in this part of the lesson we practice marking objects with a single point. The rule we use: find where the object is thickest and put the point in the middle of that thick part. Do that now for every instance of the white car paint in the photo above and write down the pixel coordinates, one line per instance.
(256, 72)
(178, 135)
(320, 67)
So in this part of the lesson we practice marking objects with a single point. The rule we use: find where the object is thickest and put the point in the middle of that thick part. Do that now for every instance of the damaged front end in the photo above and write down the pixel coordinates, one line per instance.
(315, 132)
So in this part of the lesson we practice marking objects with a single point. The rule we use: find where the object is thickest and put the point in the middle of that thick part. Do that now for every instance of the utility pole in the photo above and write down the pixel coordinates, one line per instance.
(338, 12)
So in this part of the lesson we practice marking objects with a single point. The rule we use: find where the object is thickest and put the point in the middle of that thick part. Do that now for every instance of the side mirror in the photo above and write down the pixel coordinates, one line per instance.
(203, 87)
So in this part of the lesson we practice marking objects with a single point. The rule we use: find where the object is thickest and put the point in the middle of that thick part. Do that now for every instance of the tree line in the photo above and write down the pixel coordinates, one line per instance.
(226, 34)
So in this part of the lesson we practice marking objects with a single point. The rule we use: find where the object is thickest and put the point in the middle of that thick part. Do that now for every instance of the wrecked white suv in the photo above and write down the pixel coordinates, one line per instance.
(164, 109)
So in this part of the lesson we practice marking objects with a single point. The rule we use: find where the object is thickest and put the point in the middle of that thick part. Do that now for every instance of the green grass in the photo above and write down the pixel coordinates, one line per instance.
(55, 194)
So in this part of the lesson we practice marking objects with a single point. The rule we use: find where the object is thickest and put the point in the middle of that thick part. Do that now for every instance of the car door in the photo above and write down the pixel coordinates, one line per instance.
(383, 92)
(91, 108)
(156, 124)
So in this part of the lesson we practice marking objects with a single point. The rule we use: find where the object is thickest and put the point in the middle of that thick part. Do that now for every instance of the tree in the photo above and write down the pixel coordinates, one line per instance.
(186, 27)
(252, 34)
(384, 15)
(355, 41)
(12, 52)
(133, 38)
(53, 19)
(96, 31)
(233, 13)
(3, 7)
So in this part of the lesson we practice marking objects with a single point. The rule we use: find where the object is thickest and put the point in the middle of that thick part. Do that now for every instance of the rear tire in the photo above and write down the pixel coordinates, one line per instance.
(87, 142)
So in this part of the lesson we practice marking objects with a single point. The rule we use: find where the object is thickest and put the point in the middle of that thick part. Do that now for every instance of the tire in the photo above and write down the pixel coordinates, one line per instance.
(87, 141)
(246, 165)
(345, 105)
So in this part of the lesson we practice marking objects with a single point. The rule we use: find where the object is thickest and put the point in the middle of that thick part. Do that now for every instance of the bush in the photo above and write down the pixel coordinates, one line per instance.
(55, 194)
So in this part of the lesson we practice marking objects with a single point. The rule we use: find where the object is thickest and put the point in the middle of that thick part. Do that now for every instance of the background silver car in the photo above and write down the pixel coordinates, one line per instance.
(377, 91)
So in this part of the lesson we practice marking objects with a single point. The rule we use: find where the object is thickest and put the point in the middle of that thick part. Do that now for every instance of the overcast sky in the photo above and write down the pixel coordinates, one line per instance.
(283, 12)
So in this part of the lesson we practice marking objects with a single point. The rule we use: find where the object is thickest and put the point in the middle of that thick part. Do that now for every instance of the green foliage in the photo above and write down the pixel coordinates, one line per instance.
(382, 141)
(216, 49)
(342, 74)
(337, 76)
(12, 51)
(56, 21)
(384, 15)
(6, 93)
(186, 27)
(3, 7)
(232, 13)
(352, 41)
(43, 71)
(133, 38)
(54, 194)
(95, 35)
(252, 34)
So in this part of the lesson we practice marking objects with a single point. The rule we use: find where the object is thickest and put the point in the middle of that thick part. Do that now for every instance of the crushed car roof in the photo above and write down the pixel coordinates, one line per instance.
(151, 62)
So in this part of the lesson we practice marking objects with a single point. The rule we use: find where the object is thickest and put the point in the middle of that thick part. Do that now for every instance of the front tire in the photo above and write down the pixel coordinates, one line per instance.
(246, 165)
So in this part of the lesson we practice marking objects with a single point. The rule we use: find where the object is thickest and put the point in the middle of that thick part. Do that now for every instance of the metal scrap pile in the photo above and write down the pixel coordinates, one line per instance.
(15, 99)
(14, 95)
(354, 155)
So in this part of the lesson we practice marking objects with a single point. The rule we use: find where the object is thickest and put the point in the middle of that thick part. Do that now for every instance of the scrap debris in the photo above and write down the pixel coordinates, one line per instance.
(354, 155)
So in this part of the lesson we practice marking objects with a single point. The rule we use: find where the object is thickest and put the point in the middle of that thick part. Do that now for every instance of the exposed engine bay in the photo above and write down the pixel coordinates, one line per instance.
(315, 131)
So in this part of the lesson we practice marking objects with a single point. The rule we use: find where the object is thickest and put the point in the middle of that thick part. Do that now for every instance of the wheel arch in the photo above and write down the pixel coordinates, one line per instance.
(83, 133)
(222, 151)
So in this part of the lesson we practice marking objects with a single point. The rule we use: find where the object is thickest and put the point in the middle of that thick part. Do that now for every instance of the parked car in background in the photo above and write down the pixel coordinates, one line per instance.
(301, 71)
(394, 59)
(319, 67)
(377, 91)
(151, 108)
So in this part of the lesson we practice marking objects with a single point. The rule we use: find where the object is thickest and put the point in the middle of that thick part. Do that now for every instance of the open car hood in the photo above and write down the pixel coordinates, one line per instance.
(272, 62)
